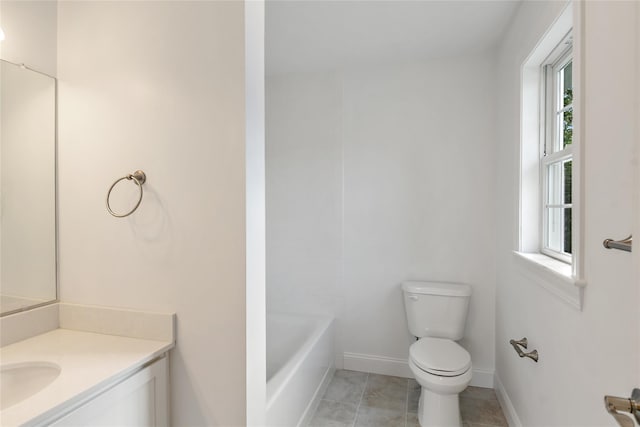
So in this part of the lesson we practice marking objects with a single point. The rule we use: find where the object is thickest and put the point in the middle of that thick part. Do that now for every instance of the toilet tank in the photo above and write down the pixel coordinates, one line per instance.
(436, 309)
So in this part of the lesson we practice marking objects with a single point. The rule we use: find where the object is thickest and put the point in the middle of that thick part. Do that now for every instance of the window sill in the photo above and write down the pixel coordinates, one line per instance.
(553, 275)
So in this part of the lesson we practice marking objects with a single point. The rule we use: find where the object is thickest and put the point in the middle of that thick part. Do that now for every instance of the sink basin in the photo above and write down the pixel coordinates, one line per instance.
(18, 381)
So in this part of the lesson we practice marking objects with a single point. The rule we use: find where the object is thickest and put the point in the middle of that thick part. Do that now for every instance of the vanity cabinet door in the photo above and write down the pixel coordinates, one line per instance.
(140, 400)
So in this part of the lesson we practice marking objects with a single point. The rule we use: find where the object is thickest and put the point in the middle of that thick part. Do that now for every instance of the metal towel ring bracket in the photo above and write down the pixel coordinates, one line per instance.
(139, 178)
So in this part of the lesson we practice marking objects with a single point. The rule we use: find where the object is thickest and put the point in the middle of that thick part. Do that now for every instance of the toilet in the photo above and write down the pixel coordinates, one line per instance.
(436, 315)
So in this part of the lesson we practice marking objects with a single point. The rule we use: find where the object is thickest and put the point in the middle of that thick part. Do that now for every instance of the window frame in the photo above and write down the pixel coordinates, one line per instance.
(550, 126)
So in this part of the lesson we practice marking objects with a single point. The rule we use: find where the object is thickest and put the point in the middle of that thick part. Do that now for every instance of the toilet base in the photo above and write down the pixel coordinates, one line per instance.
(438, 410)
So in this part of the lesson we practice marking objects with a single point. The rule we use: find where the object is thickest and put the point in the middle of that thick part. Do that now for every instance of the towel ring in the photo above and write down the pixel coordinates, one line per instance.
(139, 178)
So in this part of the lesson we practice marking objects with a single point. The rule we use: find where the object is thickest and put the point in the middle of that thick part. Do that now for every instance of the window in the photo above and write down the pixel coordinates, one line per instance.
(556, 161)
(549, 248)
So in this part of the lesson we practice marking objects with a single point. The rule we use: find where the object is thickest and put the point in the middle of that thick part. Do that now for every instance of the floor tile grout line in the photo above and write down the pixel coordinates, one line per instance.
(357, 406)
(355, 419)
(340, 402)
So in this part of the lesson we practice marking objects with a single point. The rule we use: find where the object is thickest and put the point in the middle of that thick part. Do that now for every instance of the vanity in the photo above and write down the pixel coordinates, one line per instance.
(97, 366)
(60, 364)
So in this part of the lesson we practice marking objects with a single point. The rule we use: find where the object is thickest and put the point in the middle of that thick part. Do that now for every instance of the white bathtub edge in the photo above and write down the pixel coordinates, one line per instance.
(317, 397)
(294, 392)
(400, 368)
(291, 367)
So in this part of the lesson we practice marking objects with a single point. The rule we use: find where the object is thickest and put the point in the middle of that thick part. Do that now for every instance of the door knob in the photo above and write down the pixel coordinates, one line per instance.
(618, 406)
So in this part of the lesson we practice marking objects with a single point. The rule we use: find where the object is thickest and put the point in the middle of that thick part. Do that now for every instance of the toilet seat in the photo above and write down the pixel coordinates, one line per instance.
(440, 356)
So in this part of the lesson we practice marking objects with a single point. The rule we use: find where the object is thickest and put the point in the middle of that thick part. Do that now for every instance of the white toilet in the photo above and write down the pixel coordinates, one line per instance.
(436, 314)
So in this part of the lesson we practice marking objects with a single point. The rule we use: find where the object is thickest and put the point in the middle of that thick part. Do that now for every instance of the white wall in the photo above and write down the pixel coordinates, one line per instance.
(304, 193)
(375, 176)
(159, 86)
(583, 354)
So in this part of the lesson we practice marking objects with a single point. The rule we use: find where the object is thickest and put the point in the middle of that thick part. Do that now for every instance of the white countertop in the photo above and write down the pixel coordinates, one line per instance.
(88, 362)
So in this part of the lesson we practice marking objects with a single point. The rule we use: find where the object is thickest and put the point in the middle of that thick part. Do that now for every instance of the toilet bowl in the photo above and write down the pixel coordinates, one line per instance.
(436, 314)
(443, 370)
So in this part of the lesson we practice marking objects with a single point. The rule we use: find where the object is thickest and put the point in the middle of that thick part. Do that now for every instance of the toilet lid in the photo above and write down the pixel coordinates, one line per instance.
(440, 356)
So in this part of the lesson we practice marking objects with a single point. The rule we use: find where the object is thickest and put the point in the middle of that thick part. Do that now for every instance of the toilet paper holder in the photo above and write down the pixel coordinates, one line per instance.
(533, 355)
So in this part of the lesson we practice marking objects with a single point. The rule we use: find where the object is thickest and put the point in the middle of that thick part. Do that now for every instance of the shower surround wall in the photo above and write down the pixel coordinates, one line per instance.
(378, 175)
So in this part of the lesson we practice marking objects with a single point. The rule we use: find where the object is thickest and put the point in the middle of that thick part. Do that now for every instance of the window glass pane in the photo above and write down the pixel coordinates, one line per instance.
(555, 191)
(567, 231)
(567, 84)
(555, 229)
(558, 206)
(567, 167)
(567, 127)
(563, 108)
(558, 133)
(559, 229)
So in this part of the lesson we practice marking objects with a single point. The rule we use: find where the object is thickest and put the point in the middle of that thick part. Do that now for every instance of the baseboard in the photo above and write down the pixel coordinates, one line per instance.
(482, 378)
(507, 407)
(377, 365)
(339, 361)
(400, 368)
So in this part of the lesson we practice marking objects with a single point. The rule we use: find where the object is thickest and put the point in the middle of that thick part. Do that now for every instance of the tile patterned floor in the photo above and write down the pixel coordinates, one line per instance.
(358, 399)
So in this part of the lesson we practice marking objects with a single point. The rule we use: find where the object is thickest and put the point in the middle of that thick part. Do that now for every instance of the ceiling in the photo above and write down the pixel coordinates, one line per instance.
(304, 35)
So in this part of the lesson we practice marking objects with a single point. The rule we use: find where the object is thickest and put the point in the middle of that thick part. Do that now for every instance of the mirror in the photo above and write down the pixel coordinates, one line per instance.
(28, 268)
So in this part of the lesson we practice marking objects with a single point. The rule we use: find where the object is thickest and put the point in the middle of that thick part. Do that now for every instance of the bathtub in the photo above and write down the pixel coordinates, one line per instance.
(300, 363)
